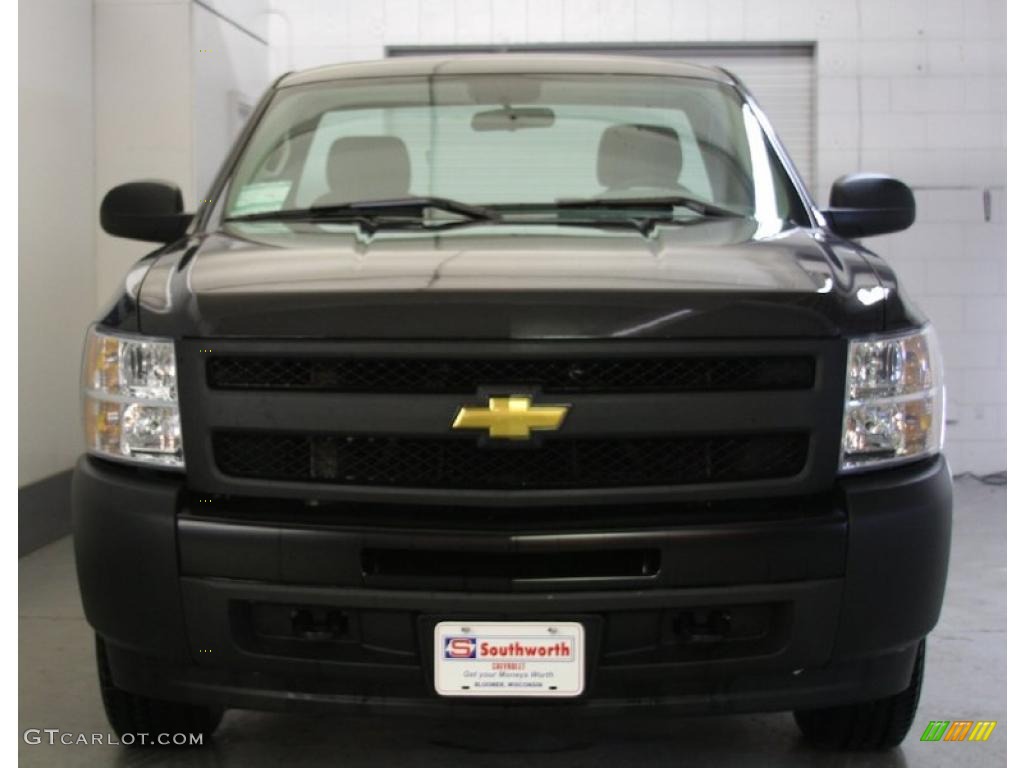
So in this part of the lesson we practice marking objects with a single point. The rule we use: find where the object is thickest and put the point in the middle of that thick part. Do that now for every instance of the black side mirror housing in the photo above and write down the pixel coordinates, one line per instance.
(145, 210)
(864, 204)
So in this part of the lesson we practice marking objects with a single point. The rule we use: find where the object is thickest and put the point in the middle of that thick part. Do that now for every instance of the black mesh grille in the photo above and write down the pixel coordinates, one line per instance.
(461, 463)
(682, 374)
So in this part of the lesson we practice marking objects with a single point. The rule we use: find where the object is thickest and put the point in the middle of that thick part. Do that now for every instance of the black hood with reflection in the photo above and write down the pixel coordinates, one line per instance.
(714, 279)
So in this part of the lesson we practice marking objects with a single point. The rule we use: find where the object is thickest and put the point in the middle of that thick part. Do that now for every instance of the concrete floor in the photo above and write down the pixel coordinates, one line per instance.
(965, 679)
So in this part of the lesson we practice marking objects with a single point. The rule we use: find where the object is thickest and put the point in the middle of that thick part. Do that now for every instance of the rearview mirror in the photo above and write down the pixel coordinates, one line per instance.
(513, 119)
(864, 204)
(145, 210)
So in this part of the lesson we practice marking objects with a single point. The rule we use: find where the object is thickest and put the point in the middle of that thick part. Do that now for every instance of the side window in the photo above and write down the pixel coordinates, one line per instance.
(694, 175)
(791, 207)
(271, 183)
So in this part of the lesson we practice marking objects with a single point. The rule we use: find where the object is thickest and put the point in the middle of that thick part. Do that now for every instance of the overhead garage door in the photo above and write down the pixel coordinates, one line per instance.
(781, 77)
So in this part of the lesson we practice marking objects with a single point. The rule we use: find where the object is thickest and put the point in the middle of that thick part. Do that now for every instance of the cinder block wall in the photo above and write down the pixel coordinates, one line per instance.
(916, 88)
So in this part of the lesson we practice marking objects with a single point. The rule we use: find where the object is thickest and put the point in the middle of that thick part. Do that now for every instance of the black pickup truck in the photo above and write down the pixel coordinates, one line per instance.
(512, 385)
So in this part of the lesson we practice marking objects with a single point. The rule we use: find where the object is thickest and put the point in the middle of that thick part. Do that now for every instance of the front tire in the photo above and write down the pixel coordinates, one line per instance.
(870, 725)
(135, 714)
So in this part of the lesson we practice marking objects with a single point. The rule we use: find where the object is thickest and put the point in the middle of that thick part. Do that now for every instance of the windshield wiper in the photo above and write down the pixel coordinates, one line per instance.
(703, 207)
(402, 207)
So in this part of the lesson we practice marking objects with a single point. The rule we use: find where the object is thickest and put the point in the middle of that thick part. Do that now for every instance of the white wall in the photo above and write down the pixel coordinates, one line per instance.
(230, 75)
(164, 73)
(56, 267)
(143, 87)
(915, 88)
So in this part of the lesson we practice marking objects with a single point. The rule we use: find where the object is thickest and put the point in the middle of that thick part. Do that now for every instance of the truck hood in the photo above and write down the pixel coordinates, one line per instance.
(718, 278)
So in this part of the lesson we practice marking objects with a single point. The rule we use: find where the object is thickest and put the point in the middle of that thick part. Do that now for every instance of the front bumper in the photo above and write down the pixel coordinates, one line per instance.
(832, 601)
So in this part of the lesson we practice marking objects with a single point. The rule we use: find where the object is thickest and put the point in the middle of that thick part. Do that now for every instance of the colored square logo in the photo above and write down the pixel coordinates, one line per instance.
(460, 647)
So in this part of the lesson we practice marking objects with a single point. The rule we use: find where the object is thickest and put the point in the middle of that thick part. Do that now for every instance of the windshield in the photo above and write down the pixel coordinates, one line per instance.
(513, 143)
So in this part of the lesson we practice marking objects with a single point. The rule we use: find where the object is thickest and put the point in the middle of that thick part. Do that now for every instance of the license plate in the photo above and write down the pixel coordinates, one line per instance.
(499, 658)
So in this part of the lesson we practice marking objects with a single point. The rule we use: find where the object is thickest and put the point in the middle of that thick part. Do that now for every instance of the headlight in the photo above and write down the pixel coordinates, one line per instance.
(130, 399)
(895, 400)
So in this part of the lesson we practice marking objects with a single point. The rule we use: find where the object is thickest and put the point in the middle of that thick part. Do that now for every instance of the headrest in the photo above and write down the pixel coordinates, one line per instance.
(367, 168)
(639, 155)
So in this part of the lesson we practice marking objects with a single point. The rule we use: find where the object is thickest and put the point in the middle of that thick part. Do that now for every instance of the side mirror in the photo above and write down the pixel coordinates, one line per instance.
(145, 210)
(864, 204)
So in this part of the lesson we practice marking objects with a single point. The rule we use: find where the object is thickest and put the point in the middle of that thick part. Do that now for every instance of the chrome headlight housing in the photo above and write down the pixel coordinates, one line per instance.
(895, 400)
(130, 399)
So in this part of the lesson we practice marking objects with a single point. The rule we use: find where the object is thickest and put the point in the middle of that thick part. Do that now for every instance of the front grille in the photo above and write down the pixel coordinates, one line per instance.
(358, 374)
(464, 463)
(370, 422)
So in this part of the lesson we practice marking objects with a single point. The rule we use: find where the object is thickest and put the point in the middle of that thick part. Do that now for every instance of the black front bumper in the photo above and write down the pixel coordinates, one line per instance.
(828, 604)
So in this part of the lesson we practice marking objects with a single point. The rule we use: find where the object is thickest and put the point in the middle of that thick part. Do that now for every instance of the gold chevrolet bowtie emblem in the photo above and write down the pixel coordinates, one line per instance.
(511, 418)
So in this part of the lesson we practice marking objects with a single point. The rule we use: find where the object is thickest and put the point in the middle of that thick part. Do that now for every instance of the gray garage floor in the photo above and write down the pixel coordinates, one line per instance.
(966, 679)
